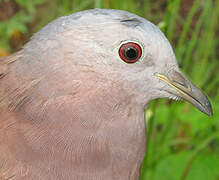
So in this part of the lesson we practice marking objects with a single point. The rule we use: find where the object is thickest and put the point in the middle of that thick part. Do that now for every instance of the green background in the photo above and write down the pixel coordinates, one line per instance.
(182, 142)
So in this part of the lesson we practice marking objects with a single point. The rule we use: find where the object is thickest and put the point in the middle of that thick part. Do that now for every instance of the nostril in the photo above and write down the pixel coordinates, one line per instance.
(179, 79)
(181, 83)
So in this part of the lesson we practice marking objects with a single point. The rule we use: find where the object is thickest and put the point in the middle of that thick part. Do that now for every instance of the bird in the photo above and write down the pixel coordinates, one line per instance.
(72, 100)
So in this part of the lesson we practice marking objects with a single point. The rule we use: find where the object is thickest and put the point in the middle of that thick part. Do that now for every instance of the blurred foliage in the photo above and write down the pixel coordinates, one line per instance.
(14, 16)
(182, 142)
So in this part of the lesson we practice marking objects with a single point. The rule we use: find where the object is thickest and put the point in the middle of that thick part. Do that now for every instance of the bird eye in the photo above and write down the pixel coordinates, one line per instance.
(130, 52)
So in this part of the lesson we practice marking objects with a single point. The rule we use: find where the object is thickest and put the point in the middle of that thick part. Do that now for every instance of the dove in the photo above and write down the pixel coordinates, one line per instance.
(72, 100)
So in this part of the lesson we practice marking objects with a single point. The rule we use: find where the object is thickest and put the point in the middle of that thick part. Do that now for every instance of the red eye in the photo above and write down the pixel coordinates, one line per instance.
(130, 52)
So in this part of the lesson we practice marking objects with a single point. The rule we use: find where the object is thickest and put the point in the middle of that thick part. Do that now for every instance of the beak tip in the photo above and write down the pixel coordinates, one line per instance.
(208, 109)
(210, 112)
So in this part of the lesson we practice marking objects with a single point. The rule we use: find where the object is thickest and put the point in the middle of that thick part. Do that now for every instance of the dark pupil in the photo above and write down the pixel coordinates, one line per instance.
(131, 53)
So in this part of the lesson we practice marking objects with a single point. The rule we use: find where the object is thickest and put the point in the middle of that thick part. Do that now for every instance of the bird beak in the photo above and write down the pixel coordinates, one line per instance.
(186, 90)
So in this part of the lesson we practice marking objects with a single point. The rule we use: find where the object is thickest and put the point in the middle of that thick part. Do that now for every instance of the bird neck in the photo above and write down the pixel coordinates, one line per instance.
(97, 132)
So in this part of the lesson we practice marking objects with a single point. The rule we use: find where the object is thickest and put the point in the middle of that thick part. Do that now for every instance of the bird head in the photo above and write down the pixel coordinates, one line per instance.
(123, 48)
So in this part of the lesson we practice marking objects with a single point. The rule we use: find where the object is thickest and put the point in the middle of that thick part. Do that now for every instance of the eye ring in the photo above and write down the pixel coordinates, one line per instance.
(130, 52)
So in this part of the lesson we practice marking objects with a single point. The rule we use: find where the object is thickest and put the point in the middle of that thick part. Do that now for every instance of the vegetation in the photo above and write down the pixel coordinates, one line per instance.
(182, 142)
